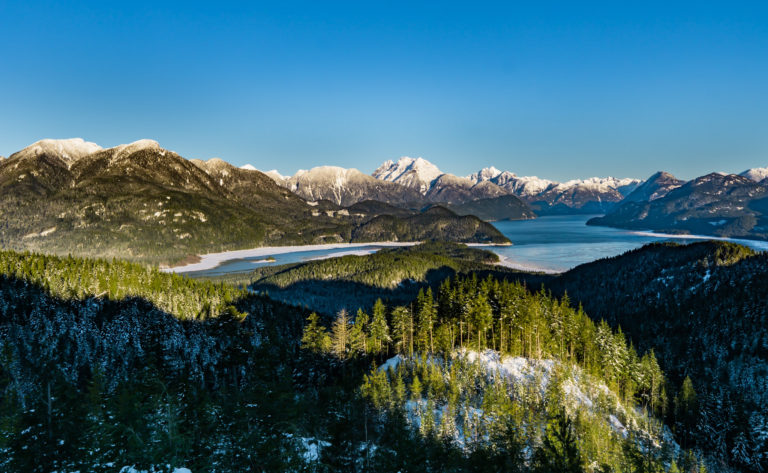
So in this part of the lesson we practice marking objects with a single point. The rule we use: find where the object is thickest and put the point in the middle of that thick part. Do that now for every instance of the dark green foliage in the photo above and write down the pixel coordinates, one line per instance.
(395, 275)
(559, 450)
(436, 223)
(506, 207)
(702, 308)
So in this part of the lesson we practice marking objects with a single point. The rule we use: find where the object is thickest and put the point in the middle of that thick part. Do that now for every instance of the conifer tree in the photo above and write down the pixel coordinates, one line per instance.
(340, 335)
(315, 336)
(358, 334)
(379, 329)
(559, 451)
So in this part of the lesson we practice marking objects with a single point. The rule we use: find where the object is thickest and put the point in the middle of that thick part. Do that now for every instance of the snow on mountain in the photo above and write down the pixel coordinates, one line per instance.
(69, 150)
(655, 187)
(415, 173)
(530, 186)
(601, 184)
(523, 186)
(249, 167)
(756, 174)
(139, 145)
(485, 174)
(276, 176)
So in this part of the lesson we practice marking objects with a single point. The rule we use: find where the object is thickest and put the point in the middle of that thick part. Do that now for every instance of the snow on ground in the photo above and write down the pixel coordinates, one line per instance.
(391, 363)
(510, 263)
(345, 253)
(580, 391)
(312, 448)
(212, 260)
(132, 469)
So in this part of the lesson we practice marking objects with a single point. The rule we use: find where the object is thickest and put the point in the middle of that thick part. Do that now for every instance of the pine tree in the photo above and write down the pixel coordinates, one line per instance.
(401, 329)
(378, 328)
(358, 335)
(559, 451)
(340, 335)
(315, 336)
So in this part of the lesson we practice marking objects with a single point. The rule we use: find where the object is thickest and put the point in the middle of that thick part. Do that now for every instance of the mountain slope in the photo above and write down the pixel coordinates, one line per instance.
(413, 173)
(436, 223)
(655, 187)
(702, 308)
(756, 174)
(345, 186)
(505, 207)
(715, 204)
(142, 202)
(594, 195)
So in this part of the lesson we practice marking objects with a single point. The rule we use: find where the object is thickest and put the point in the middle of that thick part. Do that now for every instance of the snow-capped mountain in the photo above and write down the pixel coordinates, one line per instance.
(249, 167)
(415, 173)
(485, 174)
(343, 186)
(726, 205)
(595, 194)
(275, 176)
(655, 187)
(756, 174)
(68, 150)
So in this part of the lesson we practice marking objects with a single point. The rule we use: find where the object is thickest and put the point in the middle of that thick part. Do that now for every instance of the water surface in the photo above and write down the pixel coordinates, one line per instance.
(552, 244)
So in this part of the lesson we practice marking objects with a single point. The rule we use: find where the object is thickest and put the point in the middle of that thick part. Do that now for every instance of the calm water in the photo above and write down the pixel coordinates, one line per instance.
(554, 243)
(559, 243)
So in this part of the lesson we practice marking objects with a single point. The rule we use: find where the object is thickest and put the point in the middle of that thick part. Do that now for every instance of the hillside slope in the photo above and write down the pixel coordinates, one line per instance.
(702, 308)
(144, 203)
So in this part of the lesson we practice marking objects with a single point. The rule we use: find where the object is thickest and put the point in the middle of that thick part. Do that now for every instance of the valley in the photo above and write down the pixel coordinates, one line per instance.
(473, 322)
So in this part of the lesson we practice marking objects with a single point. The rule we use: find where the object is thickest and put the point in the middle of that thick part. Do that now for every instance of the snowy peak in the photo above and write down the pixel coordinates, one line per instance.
(249, 167)
(276, 176)
(655, 187)
(601, 184)
(756, 174)
(136, 146)
(485, 174)
(415, 173)
(68, 150)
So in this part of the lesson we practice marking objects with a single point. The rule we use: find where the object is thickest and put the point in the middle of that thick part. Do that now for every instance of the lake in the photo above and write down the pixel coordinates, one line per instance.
(558, 243)
(551, 244)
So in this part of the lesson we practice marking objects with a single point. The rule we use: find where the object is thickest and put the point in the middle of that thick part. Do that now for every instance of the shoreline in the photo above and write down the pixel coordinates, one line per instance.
(508, 262)
(213, 260)
(754, 244)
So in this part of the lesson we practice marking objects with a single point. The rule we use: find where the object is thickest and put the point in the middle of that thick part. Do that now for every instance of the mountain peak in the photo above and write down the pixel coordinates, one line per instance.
(485, 174)
(756, 174)
(416, 173)
(68, 150)
(251, 167)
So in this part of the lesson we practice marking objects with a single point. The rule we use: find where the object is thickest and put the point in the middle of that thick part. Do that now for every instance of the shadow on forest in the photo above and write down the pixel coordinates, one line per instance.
(44, 335)
(329, 296)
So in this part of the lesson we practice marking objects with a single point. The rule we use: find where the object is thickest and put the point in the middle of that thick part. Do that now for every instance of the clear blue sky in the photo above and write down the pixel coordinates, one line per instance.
(556, 89)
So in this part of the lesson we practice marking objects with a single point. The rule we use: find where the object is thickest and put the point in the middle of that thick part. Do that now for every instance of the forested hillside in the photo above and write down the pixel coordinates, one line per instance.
(112, 364)
(702, 307)
(488, 373)
(144, 203)
(349, 282)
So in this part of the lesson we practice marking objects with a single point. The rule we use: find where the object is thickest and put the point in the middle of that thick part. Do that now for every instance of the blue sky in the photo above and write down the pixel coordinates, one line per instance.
(556, 89)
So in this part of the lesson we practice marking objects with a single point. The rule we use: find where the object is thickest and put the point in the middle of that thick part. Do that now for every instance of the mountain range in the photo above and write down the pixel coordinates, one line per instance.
(723, 205)
(145, 203)
(417, 182)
